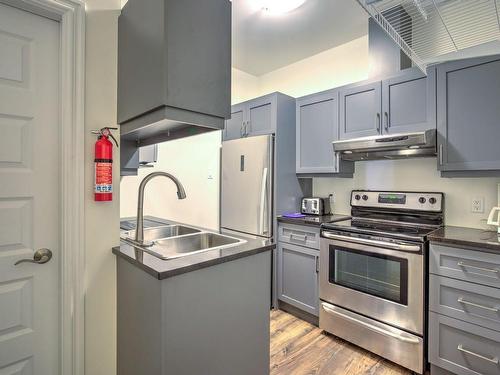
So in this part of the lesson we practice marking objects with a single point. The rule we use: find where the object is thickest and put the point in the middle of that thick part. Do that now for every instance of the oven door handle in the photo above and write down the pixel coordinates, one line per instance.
(366, 241)
(369, 326)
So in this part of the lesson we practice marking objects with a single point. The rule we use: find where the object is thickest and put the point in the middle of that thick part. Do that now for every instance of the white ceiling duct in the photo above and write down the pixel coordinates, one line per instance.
(428, 29)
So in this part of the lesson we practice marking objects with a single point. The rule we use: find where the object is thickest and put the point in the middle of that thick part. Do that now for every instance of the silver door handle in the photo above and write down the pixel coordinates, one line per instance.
(369, 326)
(317, 264)
(366, 241)
(377, 119)
(464, 265)
(41, 256)
(242, 129)
(440, 154)
(263, 194)
(461, 300)
(467, 351)
(386, 116)
(248, 129)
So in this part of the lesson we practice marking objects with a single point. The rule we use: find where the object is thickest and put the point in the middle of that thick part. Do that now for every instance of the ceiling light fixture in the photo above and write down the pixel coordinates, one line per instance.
(279, 6)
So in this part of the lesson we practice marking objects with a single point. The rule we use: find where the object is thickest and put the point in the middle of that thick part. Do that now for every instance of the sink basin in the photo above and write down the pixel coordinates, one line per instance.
(176, 247)
(157, 233)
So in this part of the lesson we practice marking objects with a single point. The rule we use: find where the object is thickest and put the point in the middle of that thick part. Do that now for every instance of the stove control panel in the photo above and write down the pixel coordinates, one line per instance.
(414, 201)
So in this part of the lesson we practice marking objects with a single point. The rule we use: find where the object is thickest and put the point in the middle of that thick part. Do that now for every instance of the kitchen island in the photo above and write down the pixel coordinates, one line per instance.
(205, 313)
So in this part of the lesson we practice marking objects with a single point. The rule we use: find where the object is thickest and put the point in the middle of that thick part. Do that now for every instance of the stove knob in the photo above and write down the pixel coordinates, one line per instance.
(422, 200)
(432, 200)
(365, 197)
(357, 197)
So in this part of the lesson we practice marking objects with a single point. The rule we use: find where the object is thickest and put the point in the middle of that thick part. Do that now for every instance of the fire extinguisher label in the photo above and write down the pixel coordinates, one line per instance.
(103, 177)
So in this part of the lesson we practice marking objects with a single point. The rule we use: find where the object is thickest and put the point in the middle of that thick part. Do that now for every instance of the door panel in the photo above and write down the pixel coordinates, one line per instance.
(246, 204)
(234, 125)
(298, 277)
(468, 114)
(408, 102)
(29, 203)
(261, 116)
(360, 108)
(317, 128)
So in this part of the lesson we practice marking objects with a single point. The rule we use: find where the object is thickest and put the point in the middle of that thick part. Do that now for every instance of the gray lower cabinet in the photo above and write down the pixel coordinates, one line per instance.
(464, 316)
(360, 107)
(468, 115)
(298, 266)
(317, 127)
(258, 116)
(409, 102)
(298, 277)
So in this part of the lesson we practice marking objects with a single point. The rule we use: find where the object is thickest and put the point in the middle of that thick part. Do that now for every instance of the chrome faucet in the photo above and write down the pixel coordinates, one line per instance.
(139, 228)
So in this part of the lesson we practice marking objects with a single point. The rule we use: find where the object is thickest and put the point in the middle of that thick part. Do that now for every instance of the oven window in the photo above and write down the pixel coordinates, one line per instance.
(376, 274)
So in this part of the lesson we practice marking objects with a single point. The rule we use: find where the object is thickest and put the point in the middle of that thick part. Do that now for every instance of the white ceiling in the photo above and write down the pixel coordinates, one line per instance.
(264, 42)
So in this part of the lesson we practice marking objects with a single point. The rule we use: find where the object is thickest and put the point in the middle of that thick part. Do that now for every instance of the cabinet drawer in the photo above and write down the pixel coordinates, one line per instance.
(463, 348)
(473, 303)
(299, 235)
(468, 265)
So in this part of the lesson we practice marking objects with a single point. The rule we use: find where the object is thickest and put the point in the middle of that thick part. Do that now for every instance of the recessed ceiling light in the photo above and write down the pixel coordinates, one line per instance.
(279, 6)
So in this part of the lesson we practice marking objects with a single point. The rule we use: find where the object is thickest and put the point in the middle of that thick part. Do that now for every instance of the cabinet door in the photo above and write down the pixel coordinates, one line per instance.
(409, 102)
(298, 277)
(235, 125)
(360, 108)
(317, 128)
(468, 114)
(261, 116)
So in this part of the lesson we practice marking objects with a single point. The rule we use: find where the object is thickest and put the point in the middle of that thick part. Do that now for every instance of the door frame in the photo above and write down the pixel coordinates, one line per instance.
(71, 16)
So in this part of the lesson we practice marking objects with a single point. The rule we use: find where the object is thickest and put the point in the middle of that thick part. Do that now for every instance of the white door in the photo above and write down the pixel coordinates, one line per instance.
(29, 193)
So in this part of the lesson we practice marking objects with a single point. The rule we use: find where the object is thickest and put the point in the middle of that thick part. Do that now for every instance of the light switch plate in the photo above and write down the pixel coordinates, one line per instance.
(477, 205)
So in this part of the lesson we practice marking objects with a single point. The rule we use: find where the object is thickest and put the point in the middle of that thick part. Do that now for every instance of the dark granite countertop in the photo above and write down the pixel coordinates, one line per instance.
(163, 269)
(312, 220)
(468, 237)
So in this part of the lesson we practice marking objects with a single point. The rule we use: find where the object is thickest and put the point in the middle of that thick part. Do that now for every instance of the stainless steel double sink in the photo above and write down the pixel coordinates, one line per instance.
(175, 241)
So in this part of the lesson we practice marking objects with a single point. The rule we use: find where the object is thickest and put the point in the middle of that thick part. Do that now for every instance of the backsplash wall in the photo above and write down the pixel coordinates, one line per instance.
(415, 175)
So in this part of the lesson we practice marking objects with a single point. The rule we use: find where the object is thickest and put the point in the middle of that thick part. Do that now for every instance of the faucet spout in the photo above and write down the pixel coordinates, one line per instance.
(139, 228)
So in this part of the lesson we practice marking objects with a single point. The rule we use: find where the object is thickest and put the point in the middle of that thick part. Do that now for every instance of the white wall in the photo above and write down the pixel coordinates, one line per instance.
(101, 218)
(195, 162)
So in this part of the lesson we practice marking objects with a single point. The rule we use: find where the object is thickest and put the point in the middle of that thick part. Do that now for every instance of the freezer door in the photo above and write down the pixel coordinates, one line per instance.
(246, 188)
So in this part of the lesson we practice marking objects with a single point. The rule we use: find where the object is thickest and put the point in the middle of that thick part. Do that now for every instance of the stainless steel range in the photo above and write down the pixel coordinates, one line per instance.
(373, 273)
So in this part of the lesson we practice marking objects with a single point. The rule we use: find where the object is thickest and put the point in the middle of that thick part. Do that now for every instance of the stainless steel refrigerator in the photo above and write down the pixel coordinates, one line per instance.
(247, 186)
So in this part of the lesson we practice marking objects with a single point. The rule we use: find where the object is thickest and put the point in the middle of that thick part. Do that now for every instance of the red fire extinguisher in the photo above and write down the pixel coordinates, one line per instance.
(103, 165)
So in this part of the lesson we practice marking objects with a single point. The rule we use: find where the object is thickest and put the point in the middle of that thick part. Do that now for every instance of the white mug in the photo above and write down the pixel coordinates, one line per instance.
(494, 213)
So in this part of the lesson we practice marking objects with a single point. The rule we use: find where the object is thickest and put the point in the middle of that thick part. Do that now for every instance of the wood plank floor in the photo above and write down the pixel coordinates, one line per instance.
(300, 348)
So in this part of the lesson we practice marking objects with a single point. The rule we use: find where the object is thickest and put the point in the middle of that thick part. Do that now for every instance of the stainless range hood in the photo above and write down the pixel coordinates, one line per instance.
(394, 146)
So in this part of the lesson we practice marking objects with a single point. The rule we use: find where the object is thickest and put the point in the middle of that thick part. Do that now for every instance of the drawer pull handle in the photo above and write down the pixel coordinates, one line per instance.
(466, 351)
(492, 270)
(461, 300)
(298, 237)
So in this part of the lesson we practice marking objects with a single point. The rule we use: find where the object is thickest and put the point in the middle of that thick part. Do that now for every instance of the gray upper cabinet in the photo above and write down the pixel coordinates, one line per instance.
(174, 80)
(261, 116)
(235, 125)
(317, 127)
(360, 110)
(468, 115)
(409, 102)
(254, 117)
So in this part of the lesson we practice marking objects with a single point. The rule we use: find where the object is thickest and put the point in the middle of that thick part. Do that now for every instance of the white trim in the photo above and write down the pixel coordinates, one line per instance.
(71, 15)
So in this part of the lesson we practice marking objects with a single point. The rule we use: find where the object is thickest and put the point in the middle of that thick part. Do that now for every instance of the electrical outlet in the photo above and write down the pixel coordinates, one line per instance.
(477, 205)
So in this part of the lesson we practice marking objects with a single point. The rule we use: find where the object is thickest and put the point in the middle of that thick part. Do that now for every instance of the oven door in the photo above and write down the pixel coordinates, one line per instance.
(375, 279)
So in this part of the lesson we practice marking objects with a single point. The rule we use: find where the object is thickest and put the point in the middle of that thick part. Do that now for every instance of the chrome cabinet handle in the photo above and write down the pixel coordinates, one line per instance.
(386, 116)
(317, 264)
(242, 129)
(299, 237)
(378, 121)
(247, 130)
(41, 256)
(467, 351)
(440, 154)
(461, 300)
(464, 265)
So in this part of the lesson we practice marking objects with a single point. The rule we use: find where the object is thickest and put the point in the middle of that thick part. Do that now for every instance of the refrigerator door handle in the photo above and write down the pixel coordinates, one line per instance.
(263, 191)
